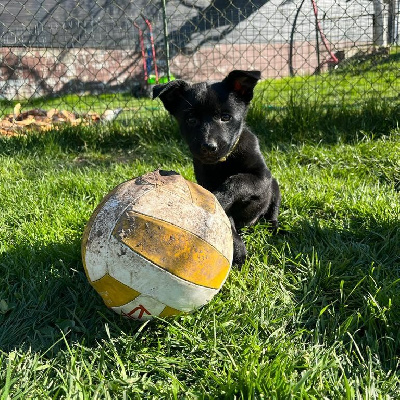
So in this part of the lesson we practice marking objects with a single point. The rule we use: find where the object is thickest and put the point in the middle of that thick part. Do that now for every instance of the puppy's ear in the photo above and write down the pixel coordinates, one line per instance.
(170, 93)
(243, 83)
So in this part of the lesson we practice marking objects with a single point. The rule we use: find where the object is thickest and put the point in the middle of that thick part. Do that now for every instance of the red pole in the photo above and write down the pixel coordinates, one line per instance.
(153, 49)
(323, 37)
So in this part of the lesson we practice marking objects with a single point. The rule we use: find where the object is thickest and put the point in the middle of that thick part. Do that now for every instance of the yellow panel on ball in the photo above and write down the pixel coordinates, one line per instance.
(202, 197)
(157, 245)
(169, 312)
(173, 249)
(113, 292)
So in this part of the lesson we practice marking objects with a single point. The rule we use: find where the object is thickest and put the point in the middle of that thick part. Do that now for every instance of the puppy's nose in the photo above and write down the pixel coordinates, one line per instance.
(209, 147)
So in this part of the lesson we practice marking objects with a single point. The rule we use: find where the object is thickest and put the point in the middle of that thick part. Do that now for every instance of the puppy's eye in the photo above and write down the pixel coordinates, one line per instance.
(225, 117)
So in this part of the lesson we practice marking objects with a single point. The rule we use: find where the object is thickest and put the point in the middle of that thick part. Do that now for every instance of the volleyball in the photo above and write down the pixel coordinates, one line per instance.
(157, 245)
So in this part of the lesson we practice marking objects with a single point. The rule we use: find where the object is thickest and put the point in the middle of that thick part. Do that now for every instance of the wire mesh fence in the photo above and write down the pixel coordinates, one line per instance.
(96, 55)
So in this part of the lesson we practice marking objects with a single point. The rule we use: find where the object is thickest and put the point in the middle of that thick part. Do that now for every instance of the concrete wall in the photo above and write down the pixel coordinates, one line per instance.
(41, 72)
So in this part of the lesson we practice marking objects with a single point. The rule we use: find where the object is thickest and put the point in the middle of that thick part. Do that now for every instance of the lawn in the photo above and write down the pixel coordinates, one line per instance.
(313, 314)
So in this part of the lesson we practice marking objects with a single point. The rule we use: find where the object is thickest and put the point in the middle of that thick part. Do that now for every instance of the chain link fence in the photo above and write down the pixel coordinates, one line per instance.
(94, 55)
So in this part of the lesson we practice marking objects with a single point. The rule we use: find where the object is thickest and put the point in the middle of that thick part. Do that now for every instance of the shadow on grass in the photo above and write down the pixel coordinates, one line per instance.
(48, 301)
(160, 131)
(308, 122)
(299, 122)
(346, 285)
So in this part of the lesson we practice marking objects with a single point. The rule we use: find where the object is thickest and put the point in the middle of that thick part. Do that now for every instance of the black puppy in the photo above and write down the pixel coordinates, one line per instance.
(226, 155)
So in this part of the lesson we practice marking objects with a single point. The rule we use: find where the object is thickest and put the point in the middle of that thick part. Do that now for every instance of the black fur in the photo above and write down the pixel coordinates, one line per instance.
(226, 155)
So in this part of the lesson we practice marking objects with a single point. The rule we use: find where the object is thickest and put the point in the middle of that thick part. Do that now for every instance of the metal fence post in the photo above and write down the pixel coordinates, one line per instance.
(166, 40)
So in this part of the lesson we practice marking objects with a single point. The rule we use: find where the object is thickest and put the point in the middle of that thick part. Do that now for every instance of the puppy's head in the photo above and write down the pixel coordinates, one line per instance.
(210, 115)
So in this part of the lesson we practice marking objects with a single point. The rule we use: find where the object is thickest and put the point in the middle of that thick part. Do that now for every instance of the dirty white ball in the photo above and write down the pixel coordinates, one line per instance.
(157, 245)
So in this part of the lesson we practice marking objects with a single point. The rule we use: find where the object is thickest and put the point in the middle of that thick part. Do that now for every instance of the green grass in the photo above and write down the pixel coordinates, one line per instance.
(352, 84)
(313, 314)
(84, 103)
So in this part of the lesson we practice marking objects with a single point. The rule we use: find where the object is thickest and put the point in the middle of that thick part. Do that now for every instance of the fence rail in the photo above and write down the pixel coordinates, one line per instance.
(54, 48)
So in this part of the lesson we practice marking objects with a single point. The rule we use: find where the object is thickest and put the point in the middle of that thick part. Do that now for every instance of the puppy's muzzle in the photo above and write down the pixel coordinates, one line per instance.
(209, 148)
(209, 152)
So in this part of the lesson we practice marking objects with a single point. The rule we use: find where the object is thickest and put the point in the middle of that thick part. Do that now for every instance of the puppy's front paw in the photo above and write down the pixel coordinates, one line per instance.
(239, 252)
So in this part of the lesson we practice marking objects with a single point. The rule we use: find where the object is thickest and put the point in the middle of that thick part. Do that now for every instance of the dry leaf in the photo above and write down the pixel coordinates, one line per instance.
(18, 122)
(68, 115)
(28, 121)
(51, 112)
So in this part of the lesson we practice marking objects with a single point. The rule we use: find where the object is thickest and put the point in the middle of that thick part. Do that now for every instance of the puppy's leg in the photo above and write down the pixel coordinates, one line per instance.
(244, 197)
(273, 210)
(236, 187)
(239, 248)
